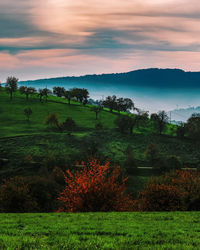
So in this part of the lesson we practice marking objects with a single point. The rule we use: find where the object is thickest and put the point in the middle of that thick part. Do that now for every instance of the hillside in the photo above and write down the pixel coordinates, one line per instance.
(152, 78)
(20, 139)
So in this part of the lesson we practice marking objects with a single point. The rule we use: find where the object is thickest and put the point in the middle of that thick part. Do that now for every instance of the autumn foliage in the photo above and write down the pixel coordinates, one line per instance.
(178, 190)
(95, 187)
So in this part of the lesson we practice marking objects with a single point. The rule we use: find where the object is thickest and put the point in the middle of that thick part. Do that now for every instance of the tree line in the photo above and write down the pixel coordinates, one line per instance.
(124, 123)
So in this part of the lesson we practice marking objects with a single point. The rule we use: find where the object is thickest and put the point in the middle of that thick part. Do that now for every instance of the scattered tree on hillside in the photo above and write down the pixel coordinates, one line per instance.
(59, 91)
(68, 94)
(46, 92)
(126, 122)
(160, 120)
(28, 112)
(27, 91)
(81, 95)
(97, 110)
(110, 102)
(193, 126)
(96, 187)
(124, 104)
(69, 125)
(40, 94)
(52, 120)
(11, 85)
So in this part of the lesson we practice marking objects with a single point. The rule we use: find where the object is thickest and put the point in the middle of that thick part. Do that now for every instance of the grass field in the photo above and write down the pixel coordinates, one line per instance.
(177, 230)
(13, 121)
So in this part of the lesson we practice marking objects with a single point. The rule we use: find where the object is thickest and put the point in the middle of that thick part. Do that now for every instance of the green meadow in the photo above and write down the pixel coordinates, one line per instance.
(177, 230)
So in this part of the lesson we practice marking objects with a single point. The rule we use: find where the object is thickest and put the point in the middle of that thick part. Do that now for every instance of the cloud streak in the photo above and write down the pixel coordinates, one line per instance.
(70, 36)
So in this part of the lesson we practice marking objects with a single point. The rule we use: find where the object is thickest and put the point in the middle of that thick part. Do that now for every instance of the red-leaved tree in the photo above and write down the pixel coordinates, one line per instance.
(95, 187)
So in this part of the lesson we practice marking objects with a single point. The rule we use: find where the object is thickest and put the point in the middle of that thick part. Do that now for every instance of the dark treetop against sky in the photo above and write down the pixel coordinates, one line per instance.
(48, 38)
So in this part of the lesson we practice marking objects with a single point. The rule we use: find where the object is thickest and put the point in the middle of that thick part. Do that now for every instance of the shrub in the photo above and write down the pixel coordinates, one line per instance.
(177, 190)
(15, 196)
(160, 197)
(52, 120)
(69, 125)
(44, 190)
(95, 188)
(173, 162)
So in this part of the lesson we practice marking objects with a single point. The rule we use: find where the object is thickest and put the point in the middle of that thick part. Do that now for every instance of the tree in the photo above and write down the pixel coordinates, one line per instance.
(27, 91)
(28, 112)
(52, 120)
(97, 110)
(160, 120)
(46, 92)
(81, 95)
(68, 94)
(59, 91)
(69, 125)
(126, 122)
(40, 94)
(110, 102)
(11, 85)
(124, 104)
(193, 127)
(95, 187)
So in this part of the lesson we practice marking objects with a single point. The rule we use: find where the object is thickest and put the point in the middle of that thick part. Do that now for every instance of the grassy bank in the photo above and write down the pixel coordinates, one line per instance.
(178, 230)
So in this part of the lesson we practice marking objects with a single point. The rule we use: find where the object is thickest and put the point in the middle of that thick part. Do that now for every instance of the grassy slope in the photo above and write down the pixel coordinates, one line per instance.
(178, 230)
(13, 121)
(35, 139)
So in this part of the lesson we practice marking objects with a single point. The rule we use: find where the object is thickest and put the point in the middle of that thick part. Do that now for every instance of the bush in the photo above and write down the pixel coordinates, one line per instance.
(95, 188)
(130, 162)
(15, 196)
(173, 162)
(160, 197)
(69, 125)
(177, 190)
(52, 120)
(152, 155)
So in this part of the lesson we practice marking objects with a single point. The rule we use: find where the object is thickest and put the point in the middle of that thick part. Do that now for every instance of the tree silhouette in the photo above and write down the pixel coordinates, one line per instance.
(11, 85)
(97, 110)
(27, 91)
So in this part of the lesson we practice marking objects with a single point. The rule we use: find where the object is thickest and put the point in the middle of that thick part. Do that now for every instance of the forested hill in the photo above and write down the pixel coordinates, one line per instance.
(153, 78)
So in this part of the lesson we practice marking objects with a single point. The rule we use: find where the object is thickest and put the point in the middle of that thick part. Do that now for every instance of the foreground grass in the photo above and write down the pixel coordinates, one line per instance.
(178, 230)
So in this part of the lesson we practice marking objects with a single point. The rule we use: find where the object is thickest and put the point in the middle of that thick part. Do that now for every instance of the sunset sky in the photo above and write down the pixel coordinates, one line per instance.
(49, 38)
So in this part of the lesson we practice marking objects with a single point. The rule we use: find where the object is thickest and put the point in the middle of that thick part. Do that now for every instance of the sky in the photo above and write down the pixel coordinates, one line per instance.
(49, 38)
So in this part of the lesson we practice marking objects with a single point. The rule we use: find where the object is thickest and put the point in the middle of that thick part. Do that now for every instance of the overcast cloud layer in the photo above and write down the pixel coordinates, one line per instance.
(63, 37)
